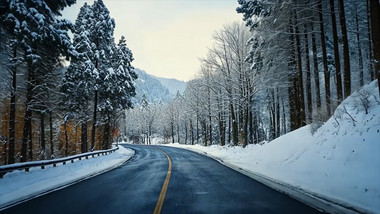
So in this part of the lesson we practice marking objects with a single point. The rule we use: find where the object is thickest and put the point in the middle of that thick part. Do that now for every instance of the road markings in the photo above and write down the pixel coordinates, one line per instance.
(161, 198)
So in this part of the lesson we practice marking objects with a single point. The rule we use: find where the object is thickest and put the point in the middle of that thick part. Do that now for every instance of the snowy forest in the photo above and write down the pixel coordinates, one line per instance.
(59, 95)
(287, 64)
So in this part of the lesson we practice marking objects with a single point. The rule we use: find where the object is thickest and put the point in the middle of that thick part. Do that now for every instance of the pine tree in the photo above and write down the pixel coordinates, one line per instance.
(79, 80)
(101, 71)
(101, 36)
(117, 88)
(35, 28)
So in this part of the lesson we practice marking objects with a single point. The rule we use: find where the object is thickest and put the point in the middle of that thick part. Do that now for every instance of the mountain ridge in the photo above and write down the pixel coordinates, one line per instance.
(156, 89)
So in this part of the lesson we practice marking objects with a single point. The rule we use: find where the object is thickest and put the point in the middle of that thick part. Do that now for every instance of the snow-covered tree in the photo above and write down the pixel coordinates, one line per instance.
(79, 80)
(40, 38)
(101, 71)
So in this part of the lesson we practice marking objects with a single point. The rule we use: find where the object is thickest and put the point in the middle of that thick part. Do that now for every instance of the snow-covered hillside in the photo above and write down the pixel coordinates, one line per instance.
(340, 161)
(173, 85)
(151, 87)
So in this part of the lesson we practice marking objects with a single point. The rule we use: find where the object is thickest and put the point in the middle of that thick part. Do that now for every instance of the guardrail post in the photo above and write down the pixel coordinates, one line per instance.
(54, 164)
(42, 167)
(86, 157)
(26, 169)
(64, 162)
(72, 161)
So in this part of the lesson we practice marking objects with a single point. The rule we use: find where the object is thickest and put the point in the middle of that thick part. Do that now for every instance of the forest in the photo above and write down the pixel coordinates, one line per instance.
(287, 64)
(59, 95)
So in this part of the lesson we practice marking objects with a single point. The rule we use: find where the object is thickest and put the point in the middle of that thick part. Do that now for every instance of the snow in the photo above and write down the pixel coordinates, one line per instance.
(20, 185)
(340, 161)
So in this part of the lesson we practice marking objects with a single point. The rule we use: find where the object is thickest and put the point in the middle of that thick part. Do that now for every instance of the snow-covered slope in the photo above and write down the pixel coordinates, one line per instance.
(151, 87)
(173, 85)
(341, 160)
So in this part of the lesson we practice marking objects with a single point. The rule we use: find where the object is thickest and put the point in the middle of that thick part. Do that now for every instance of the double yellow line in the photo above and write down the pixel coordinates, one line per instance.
(161, 198)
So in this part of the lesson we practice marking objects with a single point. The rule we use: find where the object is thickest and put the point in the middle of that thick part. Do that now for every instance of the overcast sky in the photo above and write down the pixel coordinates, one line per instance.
(167, 37)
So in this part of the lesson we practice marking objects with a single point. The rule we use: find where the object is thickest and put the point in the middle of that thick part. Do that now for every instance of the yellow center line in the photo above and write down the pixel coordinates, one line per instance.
(161, 198)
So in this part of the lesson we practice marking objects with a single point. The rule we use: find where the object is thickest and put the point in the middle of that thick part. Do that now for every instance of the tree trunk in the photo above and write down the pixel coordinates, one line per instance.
(336, 54)
(12, 116)
(229, 130)
(293, 82)
(94, 121)
(51, 134)
(324, 58)
(315, 66)
(235, 131)
(26, 136)
(178, 137)
(360, 55)
(66, 139)
(191, 132)
(106, 139)
(255, 129)
(210, 128)
(30, 149)
(375, 28)
(308, 79)
(278, 124)
(222, 130)
(370, 53)
(172, 128)
(272, 120)
(284, 130)
(197, 120)
(246, 120)
(300, 89)
(42, 136)
(250, 124)
(186, 132)
(346, 51)
(84, 136)
(204, 132)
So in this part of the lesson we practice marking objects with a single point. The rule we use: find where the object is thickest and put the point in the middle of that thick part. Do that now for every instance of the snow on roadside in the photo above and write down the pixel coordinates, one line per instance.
(341, 160)
(19, 185)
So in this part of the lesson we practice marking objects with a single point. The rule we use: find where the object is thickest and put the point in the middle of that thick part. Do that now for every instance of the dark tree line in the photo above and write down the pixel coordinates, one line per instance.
(35, 46)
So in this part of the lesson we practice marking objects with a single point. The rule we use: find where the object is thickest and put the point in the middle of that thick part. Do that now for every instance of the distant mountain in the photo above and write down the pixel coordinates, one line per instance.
(173, 85)
(153, 89)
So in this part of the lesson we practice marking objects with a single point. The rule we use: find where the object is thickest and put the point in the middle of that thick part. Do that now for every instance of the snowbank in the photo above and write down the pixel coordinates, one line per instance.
(19, 185)
(341, 160)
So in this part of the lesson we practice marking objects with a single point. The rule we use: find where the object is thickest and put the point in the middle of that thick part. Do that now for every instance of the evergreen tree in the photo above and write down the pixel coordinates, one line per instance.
(35, 28)
(101, 71)
(101, 36)
(78, 83)
(117, 88)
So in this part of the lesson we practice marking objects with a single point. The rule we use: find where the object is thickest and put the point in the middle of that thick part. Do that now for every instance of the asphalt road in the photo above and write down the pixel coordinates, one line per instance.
(197, 184)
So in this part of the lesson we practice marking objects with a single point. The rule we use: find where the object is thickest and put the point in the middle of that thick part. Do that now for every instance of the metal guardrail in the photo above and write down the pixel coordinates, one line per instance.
(27, 165)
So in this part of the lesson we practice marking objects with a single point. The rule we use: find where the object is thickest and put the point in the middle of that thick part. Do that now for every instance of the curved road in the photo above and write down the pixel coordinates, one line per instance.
(197, 184)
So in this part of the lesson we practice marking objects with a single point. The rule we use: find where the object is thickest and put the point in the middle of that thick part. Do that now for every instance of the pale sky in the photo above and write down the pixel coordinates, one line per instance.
(167, 37)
